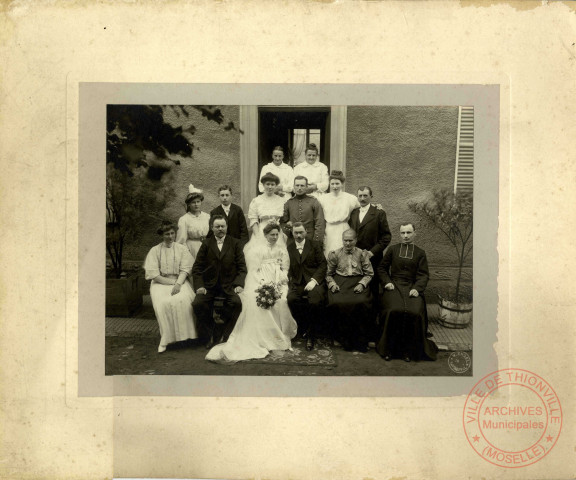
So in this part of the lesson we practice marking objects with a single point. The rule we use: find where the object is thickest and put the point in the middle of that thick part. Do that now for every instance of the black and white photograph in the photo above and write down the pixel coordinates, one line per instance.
(289, 240)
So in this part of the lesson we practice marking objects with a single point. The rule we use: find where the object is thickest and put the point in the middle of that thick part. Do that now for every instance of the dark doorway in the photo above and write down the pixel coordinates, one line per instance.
(293, 128)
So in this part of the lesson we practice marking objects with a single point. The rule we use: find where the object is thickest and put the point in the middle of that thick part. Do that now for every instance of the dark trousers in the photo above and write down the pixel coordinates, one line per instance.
(203, 306)
(307, 308)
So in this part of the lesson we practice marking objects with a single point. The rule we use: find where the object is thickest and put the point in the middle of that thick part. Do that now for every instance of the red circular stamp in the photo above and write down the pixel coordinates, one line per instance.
(512, 418)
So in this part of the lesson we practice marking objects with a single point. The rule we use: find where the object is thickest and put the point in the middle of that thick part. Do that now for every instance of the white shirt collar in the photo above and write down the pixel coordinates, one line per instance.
(282, 165)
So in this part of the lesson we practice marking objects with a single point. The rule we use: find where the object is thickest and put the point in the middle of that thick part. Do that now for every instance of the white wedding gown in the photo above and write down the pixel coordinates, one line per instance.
(258, 331)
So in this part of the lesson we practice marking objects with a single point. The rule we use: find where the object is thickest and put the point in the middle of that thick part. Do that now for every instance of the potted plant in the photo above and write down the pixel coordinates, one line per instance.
(451, 213)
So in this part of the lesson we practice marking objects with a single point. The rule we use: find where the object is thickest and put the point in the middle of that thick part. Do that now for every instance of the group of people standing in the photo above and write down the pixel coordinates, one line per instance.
(306, 259)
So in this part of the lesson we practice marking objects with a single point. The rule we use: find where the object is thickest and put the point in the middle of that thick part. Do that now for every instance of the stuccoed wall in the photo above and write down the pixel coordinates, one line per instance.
(217, 162)
(404, 153)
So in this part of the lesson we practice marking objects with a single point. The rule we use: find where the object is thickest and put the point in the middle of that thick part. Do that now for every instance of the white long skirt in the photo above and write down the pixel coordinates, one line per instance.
(174, 312)
(333, 236)
(257, 331)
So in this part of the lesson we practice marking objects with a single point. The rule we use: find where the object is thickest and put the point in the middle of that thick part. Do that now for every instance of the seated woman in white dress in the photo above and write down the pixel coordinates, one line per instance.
(259, 330)
(194, 225)
(337, 206)
(169, 265)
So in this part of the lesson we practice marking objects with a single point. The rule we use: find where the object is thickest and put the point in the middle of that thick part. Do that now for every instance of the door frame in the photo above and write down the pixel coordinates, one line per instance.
(249, 147)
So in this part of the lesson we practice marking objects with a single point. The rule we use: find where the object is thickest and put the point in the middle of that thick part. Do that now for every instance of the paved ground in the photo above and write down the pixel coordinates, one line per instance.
(131, 349)
(144, 324)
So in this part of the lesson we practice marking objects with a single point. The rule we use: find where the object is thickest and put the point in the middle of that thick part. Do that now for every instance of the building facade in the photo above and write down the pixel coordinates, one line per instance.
(402, 152)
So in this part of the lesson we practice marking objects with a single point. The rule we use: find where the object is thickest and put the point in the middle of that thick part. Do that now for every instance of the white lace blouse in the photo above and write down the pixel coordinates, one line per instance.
(263, 207)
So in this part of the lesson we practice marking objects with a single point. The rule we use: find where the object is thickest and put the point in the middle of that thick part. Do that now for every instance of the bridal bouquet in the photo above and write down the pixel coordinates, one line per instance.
(267, 294)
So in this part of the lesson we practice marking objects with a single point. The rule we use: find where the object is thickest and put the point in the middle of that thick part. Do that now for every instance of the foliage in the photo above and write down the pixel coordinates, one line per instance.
(452, 214)
(141, 146)
(139, 136)
(131, 200)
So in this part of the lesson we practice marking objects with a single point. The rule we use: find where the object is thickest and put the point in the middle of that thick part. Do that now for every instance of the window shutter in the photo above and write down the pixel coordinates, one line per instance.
(464, 172)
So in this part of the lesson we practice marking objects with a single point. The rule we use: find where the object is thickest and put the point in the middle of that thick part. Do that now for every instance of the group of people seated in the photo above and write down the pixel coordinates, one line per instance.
(306, 262)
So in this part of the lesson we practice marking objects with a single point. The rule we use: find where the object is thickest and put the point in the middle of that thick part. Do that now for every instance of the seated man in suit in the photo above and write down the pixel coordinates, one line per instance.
(349, 298)
(307, 290)
(371, 226)
(219, 271)
(305, 209)
(234, 214)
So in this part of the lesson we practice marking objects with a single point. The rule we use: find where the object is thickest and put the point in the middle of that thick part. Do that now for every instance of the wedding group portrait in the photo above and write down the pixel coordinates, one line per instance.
(289, 240)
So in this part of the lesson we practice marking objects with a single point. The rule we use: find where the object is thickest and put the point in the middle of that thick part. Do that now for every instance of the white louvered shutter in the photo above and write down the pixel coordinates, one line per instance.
(464, 172)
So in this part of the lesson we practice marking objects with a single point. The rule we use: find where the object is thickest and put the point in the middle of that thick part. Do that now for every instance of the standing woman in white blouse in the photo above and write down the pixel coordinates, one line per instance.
(337, 206)
(169, 265)
(283, 171)
(194, 225)
(265, 208)
(314, 170)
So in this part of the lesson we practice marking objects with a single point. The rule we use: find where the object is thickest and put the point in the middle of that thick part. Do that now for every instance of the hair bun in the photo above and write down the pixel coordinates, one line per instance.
(337, 175)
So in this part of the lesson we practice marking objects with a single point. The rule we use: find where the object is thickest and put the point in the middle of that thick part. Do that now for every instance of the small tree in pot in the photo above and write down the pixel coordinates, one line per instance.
(452, 214)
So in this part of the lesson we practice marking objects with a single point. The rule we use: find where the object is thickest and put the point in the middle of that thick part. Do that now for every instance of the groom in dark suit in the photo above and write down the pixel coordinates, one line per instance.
(307, 277)
(219, 271)
(234, 215)
(371, 227)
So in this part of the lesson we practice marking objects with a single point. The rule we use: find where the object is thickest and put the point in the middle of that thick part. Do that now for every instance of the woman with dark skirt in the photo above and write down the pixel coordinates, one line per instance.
(404, 275)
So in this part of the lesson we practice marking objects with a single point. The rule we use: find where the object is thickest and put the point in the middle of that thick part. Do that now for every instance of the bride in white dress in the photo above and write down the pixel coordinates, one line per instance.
(259, 331)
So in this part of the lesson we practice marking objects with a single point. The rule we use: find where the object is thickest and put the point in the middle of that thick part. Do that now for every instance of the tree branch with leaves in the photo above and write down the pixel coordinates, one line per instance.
(141, 147)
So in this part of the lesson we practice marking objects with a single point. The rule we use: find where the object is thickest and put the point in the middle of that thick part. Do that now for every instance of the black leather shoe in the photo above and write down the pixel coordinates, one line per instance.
(429, 334)
(310, 344)
(406, 358)
(210, 344)
(387, 358)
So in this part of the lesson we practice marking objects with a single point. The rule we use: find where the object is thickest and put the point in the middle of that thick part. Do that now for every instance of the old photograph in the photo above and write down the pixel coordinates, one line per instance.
(289, 240)
(229, 225)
